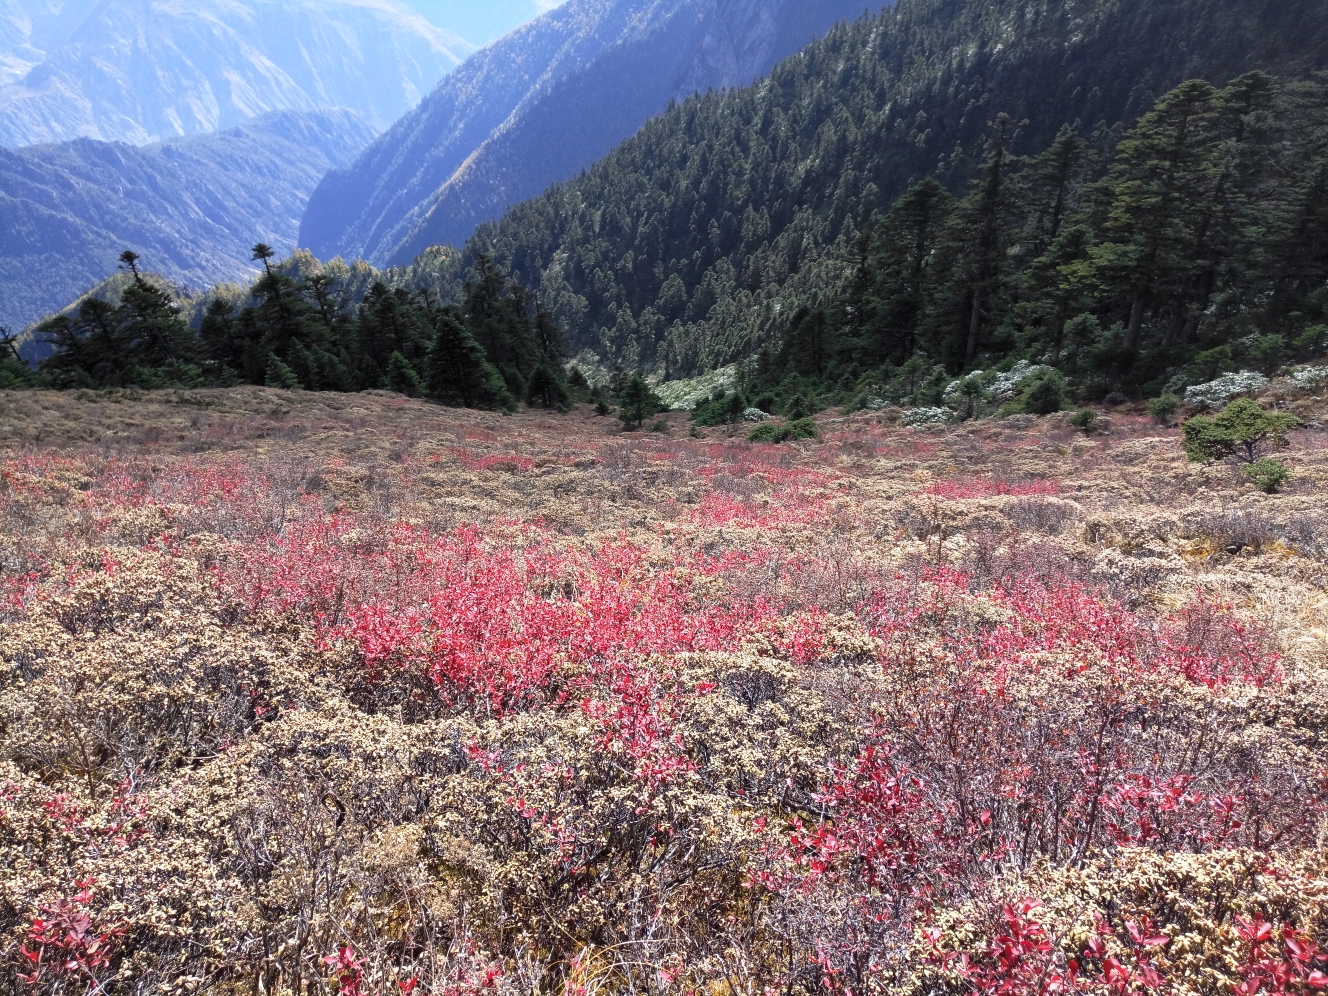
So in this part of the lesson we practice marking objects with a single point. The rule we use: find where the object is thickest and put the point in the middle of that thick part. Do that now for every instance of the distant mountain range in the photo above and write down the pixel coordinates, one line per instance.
(143, 70)
(192, 207)
(542, 104)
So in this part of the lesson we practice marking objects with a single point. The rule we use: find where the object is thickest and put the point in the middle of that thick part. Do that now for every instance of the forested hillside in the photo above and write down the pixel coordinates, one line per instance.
(947, 189)
(697, 241)
(541, 105)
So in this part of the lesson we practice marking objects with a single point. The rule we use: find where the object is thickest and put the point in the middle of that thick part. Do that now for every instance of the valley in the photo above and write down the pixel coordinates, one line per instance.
(692, 497)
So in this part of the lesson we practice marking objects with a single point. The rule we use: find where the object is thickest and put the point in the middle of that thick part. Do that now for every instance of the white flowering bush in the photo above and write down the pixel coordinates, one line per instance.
(954, 393)
(1005, 386)
(1307, 378)
(754, 415)
(1218, 392)
(928, 416)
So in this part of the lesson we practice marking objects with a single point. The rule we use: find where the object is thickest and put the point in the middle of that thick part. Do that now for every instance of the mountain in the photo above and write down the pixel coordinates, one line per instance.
(192, 207)
(695, 242)
(144, 70)
(542, 104)
(480, 22)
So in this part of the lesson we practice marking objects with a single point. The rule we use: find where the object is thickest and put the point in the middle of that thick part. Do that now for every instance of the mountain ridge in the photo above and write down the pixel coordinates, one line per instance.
(694, 241)
(147, 70)
(442, 169)
(191, 207)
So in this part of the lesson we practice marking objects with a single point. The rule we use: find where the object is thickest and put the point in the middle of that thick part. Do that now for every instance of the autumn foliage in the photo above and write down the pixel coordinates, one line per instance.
(548, 711)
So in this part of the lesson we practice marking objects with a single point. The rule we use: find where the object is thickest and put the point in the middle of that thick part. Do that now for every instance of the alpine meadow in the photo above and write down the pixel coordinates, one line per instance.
(857, 529)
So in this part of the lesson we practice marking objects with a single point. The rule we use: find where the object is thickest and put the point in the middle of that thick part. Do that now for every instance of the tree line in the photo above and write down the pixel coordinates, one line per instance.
(695, 243)
(1200, 248)
(494, 348)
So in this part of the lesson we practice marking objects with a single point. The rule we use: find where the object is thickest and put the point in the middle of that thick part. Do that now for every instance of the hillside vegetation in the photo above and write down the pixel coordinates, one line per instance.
(918, 209)
(310, 693)
(698, 241)
(541, 105)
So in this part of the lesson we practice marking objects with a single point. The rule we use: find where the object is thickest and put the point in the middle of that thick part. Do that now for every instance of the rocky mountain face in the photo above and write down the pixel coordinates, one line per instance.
(144, 70)
(539, 106)
(192, 207)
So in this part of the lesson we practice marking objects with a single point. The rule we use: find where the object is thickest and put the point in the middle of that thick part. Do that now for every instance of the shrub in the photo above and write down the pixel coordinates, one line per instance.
(1242, 430)
(637, 403)
(1308, 378)
(1086, 419)
(803, 428)
(1163, 409)
(1042, 394)
(1223, 389)
(1267, 475)
(768, 432)
(915, 417)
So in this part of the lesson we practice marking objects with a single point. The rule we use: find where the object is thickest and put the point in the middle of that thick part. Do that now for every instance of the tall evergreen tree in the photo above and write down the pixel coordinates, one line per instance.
(458, 371)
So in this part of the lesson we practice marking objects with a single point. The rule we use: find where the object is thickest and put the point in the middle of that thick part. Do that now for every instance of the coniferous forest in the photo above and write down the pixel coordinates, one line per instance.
(946, 188)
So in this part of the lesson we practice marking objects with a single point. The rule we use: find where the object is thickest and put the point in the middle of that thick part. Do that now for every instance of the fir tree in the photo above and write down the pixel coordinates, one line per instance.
(459, 373)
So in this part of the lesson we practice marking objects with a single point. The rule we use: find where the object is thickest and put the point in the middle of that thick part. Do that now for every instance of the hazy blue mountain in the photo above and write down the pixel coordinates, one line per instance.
(191, 207)
(144, 70)
(481, 22)
(542, 104)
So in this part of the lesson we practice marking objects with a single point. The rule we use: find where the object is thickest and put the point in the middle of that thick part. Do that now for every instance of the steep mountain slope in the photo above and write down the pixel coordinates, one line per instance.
(480, 23)
(192, 207)
(695, 241)
(139, 70)
(542, 104)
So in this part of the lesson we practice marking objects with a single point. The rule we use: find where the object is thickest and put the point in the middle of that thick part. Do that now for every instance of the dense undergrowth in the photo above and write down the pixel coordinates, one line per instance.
(314, 693)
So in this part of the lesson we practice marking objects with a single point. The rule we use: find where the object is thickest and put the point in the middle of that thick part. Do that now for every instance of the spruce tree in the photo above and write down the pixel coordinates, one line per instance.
(458, 372)
(402, 377)
(636, 403)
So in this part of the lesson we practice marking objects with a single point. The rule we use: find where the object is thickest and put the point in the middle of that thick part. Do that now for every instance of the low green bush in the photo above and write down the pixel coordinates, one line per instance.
(1267, 475)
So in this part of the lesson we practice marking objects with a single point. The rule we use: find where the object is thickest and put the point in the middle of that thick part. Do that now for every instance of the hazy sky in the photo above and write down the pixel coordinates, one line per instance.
(481, 21)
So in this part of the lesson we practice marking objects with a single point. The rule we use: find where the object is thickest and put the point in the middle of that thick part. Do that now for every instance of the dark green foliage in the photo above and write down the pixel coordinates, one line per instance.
(402, 377)
(1163, 409)
(280, 375)
(1042, 395)
(459, 373)
(143, 340)
(721, 408)
(547, 387)
(602, 408)
(636, 403)
(772, 432)
(300, 331)
(766, 432)
(1242, 430)
(1267, 475)
(1086, 419)
(14, 373)
(735, 221)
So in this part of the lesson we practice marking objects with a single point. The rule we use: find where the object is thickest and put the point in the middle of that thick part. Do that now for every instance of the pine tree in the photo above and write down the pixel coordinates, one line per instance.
(636, 403)
(898, 277)
(1163, 178)
(402, 377)
(459, 373)
(547, 388)
(280, 375)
